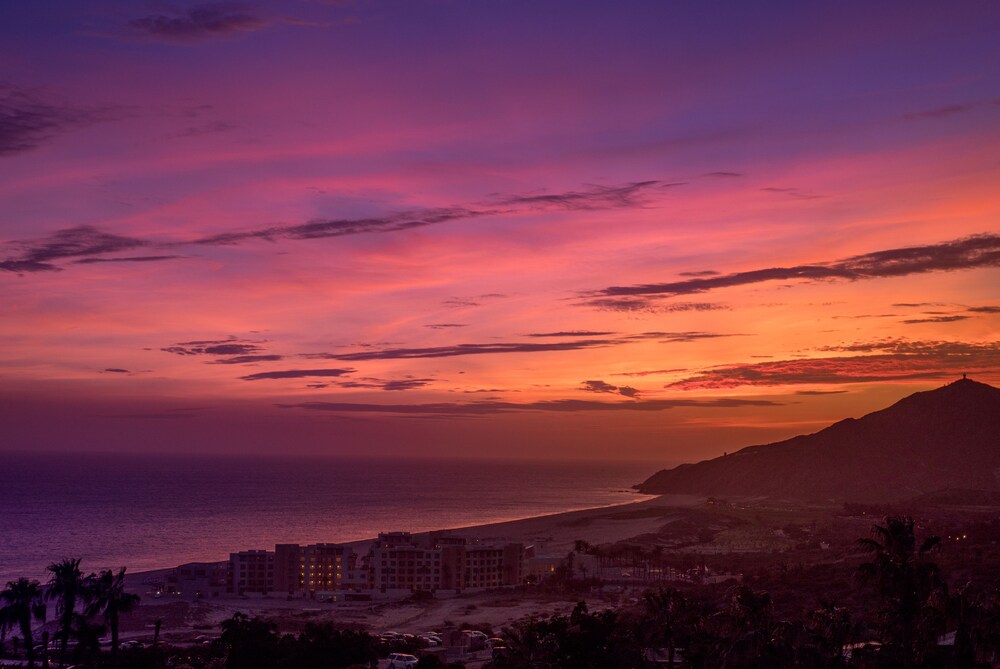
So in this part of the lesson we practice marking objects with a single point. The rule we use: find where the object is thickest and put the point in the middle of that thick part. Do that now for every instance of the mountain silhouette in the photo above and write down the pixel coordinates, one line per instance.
(929, 441)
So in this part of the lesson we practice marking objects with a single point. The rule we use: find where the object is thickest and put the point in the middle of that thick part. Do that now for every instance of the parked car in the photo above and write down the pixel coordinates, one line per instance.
(402, 661)
(476, 640)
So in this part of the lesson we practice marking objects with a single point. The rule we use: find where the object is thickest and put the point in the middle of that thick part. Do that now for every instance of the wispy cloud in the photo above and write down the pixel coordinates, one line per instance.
(227, 347)
(652, 372)
(889, 360)
(473, 301)
(559, 406)
(297, 374)
(793, 193)
(570, 333)
(936, 319)
(209, 128)
(408, 383)
(945, 111)
(681, 337)
(966, 253)
(70, 243)
(514, 347)
(647, 305)
(233, 351)
(198, 22)
(323, 228)
(27, 120)
(88, 241)
(594, 197)
(604, 387)
(90, 261)
(466, 349)
(246, 359)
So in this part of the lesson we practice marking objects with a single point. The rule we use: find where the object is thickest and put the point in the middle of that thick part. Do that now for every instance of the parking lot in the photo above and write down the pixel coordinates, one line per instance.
(471, 660)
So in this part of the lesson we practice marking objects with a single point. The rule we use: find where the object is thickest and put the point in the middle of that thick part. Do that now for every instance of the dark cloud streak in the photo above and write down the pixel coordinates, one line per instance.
(604, 387)
(514, 347)
(246, 359)
(89, 261)
(466, 349)
(86, 241)
(967, 253)
(570, 333)
(27, 121)
(198, 22)
(888, 360)
(936, 319)
(491, 408)
(75, 242)
(297, 374)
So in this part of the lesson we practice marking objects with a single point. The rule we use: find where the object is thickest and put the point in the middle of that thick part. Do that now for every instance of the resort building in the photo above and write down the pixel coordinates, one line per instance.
(395, 562)
(317, 568)
(251, 572)
(399, 561)
(197, 580)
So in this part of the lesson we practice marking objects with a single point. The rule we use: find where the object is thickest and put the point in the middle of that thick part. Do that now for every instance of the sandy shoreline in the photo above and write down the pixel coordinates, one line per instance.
(554, 531)
(551, 534)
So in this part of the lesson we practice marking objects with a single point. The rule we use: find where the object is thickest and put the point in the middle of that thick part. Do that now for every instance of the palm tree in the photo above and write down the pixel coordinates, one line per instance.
(65, 586)
(22, 602)
(88, 640)
(668, 618)
(108, 597)
(905, 580)
(754, 638)
(832, 630)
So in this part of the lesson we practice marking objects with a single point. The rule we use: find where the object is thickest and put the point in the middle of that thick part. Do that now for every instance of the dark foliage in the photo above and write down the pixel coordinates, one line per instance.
(253, 643)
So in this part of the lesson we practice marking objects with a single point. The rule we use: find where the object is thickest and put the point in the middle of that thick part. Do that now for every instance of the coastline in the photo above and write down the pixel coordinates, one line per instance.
(556, 531)
(151, 513)
(553, 533)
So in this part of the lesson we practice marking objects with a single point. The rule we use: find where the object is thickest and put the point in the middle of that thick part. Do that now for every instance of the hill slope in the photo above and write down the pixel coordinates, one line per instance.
(944, 438)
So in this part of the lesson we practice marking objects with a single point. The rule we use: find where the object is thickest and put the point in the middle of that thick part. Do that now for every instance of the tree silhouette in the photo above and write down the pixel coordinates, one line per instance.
(252, 642)
(66, 586)
(88, 640)
(832, 630)
(109, 599)
(751, 636)
(22, 602)
(904, 580)
(666, 616)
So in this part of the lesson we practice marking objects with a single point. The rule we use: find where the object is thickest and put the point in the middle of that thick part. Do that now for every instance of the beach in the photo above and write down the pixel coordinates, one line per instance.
(554, 535)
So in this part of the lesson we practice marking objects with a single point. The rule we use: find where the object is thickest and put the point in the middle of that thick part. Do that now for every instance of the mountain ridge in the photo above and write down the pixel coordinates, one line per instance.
(943, 438)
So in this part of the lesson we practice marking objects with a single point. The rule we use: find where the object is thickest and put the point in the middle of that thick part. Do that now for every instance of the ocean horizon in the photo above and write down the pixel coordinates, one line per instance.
(156, 511)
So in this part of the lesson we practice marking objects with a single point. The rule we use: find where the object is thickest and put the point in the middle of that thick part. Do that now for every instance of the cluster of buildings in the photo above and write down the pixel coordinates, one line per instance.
(395, 563)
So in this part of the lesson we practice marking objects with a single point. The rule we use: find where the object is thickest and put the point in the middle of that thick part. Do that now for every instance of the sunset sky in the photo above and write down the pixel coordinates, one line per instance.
(645, 230)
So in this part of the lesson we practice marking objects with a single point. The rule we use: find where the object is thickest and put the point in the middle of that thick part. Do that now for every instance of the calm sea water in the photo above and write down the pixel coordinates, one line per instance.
(160, 511)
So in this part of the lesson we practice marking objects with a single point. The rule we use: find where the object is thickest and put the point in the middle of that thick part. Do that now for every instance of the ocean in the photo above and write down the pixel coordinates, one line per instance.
(149, 512)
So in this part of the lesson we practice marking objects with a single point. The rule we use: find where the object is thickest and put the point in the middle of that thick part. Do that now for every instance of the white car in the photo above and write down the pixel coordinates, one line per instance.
(402, 661)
